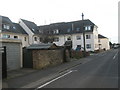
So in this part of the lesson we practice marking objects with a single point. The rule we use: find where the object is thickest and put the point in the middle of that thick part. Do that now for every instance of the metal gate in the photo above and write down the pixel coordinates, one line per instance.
(4, 62)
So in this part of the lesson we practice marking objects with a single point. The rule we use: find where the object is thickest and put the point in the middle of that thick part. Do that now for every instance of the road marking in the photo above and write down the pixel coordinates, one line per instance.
(115, 55)
(54, 79)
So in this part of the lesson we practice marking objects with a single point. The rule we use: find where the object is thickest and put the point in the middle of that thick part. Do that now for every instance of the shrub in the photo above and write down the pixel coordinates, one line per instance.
(79, 54)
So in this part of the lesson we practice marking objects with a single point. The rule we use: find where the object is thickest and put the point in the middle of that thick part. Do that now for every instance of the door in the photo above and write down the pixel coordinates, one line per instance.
(4, 62)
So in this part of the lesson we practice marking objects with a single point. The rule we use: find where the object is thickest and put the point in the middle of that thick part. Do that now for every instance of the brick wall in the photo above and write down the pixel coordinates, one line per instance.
(45, 58)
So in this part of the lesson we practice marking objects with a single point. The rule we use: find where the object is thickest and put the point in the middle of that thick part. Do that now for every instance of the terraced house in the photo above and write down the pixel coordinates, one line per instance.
(59, 33)
(13, 38)
(14, 31)
(32, 29)
(73, 31)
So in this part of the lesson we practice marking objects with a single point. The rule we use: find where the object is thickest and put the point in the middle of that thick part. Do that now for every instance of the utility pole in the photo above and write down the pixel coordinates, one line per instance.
(84, 35)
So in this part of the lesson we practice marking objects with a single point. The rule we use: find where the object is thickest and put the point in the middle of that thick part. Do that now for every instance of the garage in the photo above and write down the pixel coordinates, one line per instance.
(13, 53)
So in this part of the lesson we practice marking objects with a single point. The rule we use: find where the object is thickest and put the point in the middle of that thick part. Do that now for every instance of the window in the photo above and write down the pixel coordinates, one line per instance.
(68, 30)
(33, 29)
(56, 39)
(69, 38)
(77, 29)
(14, 28)
(87, 27)
(35, 38)
(96, 45)
(40, 39)
(56, 31)
(88, 46)
(6, 36)
(99, 40)
(87, 36)
(78, 37)
(16, 37)
(78, 48)
(6, 26)
(25, 38)
(40, 31)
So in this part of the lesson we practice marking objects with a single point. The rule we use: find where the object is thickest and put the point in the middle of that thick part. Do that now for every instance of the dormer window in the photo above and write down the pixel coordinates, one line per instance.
(14, 27)
(33, 29)
(6, 26)
(56, 31)
(87, 28)
(77, 29)
(68, 30)
(40, 31)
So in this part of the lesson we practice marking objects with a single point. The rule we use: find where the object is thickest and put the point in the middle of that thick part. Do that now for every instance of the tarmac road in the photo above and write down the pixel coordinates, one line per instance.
(100, 72)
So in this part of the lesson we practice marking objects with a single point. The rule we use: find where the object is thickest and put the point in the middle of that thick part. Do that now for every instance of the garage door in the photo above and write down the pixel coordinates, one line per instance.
(13, 51)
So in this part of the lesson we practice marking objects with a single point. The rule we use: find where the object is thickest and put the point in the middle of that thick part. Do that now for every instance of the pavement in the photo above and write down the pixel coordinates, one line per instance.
(30, 78)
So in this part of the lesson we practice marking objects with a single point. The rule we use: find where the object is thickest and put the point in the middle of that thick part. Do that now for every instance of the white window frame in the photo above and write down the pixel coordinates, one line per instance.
(56, 31)
(25, 38)
(35, 38)
(88, 46)
(78, 37)
(87, 28)
(89, 36)
(6, 26)
(5, 36)
(14, 27)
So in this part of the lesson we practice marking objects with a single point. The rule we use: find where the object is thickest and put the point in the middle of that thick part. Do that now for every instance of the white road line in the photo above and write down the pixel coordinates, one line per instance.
(54, 79)
(115, 55)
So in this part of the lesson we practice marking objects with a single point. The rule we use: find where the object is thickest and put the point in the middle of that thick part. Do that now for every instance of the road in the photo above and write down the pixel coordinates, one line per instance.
(100, 72)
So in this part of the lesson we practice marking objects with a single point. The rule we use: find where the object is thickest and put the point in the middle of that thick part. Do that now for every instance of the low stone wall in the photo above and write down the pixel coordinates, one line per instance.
(45, 58)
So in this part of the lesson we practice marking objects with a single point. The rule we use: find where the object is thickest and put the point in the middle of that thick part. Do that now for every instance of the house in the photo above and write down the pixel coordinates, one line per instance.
(11, 37)
(73, 31)
(32, 30)
(103, 42)
(14, 31)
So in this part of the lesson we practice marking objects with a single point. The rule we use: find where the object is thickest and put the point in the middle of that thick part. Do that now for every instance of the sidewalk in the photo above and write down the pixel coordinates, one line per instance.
(30, 78)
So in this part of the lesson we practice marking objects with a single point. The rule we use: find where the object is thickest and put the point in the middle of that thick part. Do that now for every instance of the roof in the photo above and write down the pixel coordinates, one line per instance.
(101, 36)
(19, 28)
(64, 26)
(41, 46)
(32, 26)
(14, 27)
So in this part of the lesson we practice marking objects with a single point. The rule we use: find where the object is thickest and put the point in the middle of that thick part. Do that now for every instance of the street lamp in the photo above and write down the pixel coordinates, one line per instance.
(84, 35)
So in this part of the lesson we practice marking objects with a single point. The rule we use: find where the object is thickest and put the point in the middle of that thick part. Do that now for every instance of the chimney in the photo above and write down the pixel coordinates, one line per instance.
(82, 16)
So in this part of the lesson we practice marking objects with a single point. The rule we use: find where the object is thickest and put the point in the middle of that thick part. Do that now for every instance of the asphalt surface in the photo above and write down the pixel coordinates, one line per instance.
(101, 71)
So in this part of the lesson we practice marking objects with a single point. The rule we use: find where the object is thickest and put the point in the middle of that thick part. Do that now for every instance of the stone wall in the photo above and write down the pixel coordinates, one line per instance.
(45, 58)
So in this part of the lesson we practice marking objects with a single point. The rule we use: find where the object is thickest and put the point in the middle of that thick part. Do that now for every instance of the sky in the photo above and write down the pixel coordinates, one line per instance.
(103, 13)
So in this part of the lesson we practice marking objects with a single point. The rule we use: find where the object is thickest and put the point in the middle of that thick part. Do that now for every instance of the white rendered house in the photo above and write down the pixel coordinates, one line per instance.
(13, 31)
(32, 30)
(73, 31)
(103, 42)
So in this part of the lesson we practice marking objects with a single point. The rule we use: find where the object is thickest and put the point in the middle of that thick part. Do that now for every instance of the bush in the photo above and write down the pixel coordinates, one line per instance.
(79, 54)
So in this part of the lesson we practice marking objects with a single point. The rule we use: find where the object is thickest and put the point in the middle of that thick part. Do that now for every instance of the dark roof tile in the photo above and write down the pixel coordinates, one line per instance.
(101, 36)
(68, 27)
(32, 26)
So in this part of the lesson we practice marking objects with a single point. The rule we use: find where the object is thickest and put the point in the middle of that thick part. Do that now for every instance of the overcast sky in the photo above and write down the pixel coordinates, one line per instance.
(104, 13)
